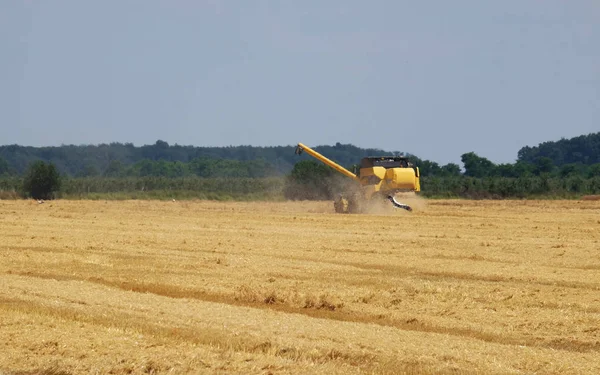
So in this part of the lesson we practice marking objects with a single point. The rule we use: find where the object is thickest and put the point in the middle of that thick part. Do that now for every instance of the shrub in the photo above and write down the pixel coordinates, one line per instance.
(41, 180)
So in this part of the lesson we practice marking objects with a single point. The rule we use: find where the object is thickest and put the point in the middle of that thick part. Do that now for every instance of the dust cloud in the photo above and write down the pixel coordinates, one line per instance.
(417, 202)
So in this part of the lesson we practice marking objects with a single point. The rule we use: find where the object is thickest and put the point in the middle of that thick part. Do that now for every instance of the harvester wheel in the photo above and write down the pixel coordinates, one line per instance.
(341, 205)
(354, 205)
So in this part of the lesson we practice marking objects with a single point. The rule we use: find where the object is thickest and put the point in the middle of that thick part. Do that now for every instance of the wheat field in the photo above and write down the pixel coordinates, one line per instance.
(150, 287)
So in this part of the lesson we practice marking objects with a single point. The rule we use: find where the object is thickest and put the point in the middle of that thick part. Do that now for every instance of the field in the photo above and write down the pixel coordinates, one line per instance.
(456, 287)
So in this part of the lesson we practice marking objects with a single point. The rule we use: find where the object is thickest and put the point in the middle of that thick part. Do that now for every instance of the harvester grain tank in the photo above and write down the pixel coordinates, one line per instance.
(379, 178)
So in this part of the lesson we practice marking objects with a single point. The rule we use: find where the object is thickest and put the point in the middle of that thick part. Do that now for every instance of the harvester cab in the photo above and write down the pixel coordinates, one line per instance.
(380, 177)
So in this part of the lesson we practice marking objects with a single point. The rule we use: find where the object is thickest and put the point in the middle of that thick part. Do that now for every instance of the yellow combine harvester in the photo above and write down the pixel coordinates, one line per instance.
(380, 177)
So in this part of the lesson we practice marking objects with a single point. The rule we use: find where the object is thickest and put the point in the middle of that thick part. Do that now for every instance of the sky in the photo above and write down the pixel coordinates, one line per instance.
(433, 78)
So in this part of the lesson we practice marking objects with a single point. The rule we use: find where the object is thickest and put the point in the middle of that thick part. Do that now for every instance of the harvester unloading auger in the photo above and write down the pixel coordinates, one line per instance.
(380, 177)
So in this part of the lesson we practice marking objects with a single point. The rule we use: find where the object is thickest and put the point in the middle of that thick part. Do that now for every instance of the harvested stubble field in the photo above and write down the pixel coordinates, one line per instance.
(456, 287)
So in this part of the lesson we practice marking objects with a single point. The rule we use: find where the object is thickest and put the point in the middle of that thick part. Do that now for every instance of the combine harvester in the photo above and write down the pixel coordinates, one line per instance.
(379, 178)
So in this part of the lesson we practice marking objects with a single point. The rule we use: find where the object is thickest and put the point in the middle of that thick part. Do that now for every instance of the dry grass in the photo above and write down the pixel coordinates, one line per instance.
(457, 287)
(9, 194)
(591, 198)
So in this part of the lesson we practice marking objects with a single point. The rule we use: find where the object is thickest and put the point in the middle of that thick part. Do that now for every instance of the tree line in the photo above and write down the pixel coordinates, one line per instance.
(563, 168)
(125, 159)
(581, 150)
(566, 157)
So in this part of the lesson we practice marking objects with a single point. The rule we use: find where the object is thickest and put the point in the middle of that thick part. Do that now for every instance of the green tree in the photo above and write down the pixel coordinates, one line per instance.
(570, 169)
(543, 165)
(428, 168)
(450, 170)
(476, 166)
(594, 170)
(506, 170)
(89, 170)
(4, 167)
(41, 180)
(309, 180)
(114, 169)
(523, 169)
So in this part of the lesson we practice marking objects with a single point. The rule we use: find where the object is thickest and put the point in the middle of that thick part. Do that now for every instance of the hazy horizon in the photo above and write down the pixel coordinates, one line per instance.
(243, 145)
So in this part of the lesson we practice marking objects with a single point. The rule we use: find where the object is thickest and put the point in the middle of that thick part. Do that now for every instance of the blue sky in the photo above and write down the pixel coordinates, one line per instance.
(433, 78)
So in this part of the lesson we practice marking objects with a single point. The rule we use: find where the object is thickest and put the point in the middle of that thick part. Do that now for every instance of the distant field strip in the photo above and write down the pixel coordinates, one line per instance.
(456, 287)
